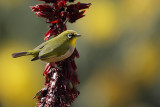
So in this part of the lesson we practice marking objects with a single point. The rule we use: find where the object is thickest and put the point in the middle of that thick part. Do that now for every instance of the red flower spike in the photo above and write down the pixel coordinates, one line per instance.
(64, 3)
(49, 1)
(46, 38)
(44, 14)
(48, 33)
(47, 69)
(76, 16)
(56, 21)
(76, 53)
(61, 78)
(34, 9)
(84, 6)
(41, 7)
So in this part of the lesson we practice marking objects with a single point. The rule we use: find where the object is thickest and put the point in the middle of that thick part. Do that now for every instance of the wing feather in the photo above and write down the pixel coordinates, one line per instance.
(53, 49)
(40, 46)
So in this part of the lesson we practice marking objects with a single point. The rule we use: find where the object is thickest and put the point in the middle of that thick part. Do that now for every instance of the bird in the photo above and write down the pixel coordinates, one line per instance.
(55, 49)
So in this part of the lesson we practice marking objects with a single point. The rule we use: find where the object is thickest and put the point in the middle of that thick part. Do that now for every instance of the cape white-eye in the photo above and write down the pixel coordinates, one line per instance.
(55, 49)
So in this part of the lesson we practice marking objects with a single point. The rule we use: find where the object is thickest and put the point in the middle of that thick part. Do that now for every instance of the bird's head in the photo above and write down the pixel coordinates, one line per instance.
(71, 36)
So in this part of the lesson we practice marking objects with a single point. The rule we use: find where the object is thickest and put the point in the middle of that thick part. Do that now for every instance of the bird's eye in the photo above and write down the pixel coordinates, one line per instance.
(69, 36)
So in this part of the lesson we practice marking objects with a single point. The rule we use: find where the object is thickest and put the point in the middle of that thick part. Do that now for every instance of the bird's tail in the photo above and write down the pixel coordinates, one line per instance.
(19, 54)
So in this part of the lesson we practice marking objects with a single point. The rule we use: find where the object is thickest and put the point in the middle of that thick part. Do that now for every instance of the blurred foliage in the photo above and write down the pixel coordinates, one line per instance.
(119, 64)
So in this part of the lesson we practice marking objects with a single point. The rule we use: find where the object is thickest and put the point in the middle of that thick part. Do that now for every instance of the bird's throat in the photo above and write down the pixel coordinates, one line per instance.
(73, 41)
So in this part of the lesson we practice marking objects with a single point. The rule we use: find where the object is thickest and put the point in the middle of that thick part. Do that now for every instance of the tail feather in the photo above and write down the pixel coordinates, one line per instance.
(15, 55)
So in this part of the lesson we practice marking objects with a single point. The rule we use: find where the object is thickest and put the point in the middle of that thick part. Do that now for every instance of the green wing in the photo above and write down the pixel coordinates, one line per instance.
(40, 46)
(35, 51)
(53, 49)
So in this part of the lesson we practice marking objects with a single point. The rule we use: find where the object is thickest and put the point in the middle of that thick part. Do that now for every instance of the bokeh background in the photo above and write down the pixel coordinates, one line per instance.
(120, 48)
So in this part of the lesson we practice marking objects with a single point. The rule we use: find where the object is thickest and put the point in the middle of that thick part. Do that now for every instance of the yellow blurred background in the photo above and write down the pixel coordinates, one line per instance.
(119, 64)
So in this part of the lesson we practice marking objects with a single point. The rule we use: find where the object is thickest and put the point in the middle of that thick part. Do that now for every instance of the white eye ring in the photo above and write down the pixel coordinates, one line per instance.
(69, 36)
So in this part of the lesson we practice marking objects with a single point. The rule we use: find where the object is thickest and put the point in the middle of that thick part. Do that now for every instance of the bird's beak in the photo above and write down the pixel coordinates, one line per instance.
(77, 35)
